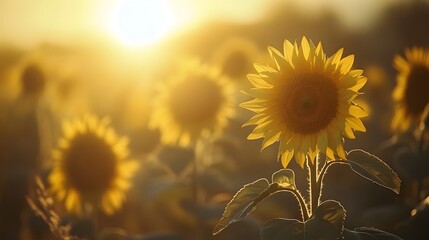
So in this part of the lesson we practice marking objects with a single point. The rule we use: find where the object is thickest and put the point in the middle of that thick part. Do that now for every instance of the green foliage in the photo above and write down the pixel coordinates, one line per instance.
(245, 200)
(364, 233)
(326, 223)
(285, 178)
(374, 169)
(242, 203)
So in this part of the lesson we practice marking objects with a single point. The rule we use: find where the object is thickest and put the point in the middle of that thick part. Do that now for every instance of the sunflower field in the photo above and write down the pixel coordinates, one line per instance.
(223, 120)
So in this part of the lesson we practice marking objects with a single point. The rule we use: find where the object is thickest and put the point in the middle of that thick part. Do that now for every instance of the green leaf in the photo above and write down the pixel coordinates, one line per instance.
(326, 224)
(244, 202)
(364, 233)
(333, 212)
(280, 229)
(285, 178)
(374, 169)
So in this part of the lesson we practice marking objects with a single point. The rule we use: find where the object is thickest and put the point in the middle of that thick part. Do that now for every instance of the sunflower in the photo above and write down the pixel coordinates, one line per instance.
(135, 112)
(197, 101)
(411, 91)
(235, 57)
(305, 101)
(91, 167)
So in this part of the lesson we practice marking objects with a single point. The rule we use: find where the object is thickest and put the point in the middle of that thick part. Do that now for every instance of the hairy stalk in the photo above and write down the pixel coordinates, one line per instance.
(322, 173)
(326, 166)
(314, 191)
(314, 184)
(304, 210)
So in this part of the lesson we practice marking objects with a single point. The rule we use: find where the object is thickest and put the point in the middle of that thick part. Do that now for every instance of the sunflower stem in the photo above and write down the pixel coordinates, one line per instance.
(419, 151)
(198, 157)
(322, 173)
(314, 185)
(304, 209)
(92, 215)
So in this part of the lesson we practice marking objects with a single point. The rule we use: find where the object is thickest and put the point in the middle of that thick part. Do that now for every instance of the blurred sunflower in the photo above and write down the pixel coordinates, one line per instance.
(411, 91)
(135, 111)
(305, 101)
(91, 167)
(196, 101)
(235, 57)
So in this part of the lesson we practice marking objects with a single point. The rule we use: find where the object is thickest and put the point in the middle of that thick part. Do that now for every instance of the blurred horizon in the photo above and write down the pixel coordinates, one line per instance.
(25, 23)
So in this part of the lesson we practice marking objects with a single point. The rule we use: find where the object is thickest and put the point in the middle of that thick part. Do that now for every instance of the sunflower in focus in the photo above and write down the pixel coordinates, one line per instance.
(411, 91)
(305, 101)
(91, 168)
(197, 101)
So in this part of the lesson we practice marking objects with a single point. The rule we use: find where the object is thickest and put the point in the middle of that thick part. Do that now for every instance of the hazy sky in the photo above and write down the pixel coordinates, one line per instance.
(28, 21)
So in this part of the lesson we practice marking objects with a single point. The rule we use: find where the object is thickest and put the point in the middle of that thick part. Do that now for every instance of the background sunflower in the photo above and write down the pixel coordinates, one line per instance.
(91, 169)
(411, 91)
(198, 99)
(235, 56)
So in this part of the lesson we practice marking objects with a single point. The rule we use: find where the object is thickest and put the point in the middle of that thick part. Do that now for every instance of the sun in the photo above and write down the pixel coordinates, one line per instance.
(139, 22)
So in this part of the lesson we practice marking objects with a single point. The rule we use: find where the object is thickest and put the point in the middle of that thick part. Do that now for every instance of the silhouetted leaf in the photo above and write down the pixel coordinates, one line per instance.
(374, 169)
(364, 233)
(333, 212)
(244, 202)
(280, 228)
(285, 178)
(325, 224)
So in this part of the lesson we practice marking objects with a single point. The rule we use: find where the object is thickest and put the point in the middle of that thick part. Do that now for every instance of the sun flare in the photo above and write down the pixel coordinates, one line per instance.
(137, 23)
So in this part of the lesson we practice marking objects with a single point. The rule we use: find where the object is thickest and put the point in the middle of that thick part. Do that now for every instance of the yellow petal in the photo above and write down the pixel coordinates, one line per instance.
(356, 124)
(256, 119)
(270, 139)
(305, 47)
(340, 151)
(349, 132)
(257, 81)
(312, 155)
(300, 159)
(361, 81)
(330, 153)
(288, 50)
(278, 57)
(357, 111)
(334, 59)
(286, 157)
(263, 68)
(322, 141)
(347, 63)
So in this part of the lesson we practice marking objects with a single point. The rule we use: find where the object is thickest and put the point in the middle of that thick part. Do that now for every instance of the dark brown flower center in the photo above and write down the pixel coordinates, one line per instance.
(237, 65)
(309, 103)
(417, 89)
(195, 101)
(90, 164)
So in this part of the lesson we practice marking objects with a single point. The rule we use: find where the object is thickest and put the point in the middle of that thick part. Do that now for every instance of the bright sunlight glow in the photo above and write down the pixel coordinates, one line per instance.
(140, 22)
